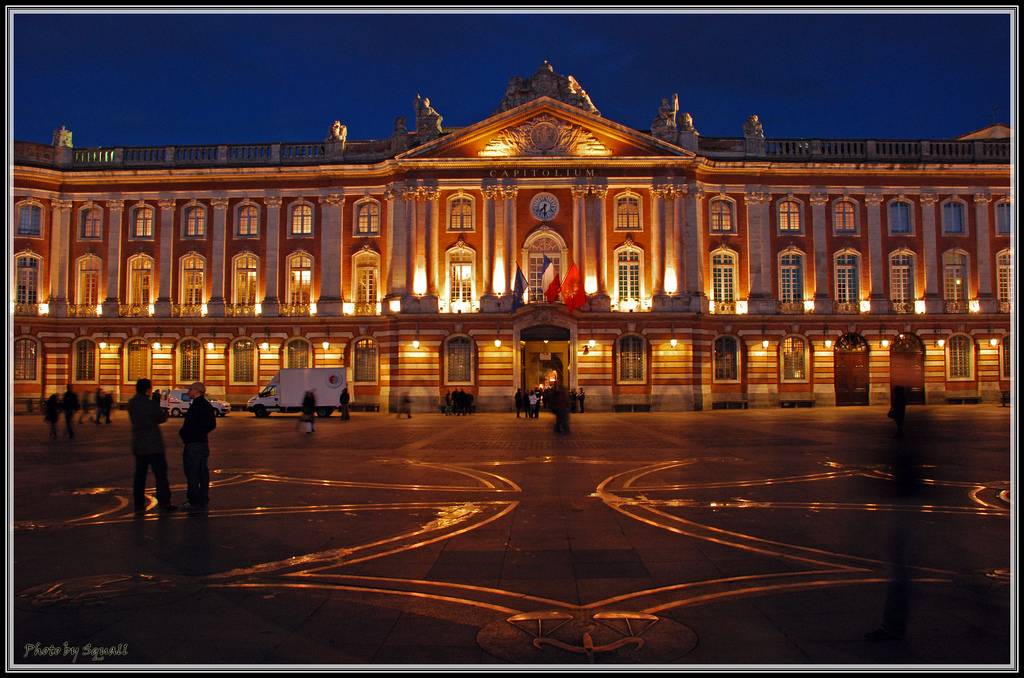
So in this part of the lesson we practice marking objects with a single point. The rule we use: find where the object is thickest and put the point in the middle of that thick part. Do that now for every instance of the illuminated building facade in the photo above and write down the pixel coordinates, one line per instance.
(719, 271)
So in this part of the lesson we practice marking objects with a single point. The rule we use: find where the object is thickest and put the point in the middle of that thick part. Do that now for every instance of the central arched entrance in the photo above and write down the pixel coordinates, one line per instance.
(852, 370)
(906, 367)
(545, 353)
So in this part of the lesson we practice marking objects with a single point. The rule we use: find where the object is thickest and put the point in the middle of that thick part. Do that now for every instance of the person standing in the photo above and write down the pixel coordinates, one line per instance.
(405, 407)
(534, 405)
(560, 405)
(86, 407)
(308, 406)
(519, 401)
(200, 419)
(100, 398)
(572, 399)
(146, 415)
(51, 413)
(108, 404)
(898, 410)
(581, 396)
(70, 405)
(343, 402)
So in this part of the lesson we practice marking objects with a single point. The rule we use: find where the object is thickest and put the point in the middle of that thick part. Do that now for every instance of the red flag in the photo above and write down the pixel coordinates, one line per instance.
(573, 295)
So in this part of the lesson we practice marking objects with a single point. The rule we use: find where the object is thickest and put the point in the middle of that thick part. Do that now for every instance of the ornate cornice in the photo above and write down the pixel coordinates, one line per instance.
(333, 199)
(115, 204)
(874, 199)
(819, 199)
(492, 192)
(580, 192)
(756, 197)
(510, 192)
(59, 204)
(272, 201)
(166, 204)
(599, 192)
(982, 198)
(928, 199)
(219, 203)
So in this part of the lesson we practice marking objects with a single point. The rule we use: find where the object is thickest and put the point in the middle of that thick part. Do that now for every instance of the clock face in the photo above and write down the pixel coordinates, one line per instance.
(544, 206)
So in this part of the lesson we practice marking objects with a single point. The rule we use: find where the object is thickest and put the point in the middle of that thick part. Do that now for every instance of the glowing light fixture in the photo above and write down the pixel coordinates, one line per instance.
(99, 309)
(885, 343)
(152, 309)
(828, 343)
(919, 306)
(865, 306)
(974, 306)
(326, 345)
(497, 343)
(209, 346)
(592, 343)
(265, 346)
(741, 307)
(673, 342)
(312, 308)
(203, 309)
(156, 345)
(993, 342)
(395, 305)
(940, 343)
(808, 305)
(764, 343)
(103, 345)
(415, 343)
(44, 309)
(258, 309)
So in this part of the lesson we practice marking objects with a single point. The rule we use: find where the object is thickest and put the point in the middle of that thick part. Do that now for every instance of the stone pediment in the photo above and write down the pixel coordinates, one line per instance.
(545, 128)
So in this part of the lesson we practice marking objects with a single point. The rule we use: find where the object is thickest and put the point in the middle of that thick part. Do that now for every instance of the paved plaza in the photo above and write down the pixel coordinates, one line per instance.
(730, 537)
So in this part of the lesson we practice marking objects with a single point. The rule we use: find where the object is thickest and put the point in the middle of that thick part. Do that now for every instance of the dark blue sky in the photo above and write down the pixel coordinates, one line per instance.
(188, 79)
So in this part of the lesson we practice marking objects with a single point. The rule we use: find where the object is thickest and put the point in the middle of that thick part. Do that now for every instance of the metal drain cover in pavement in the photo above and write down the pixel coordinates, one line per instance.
(585, 636)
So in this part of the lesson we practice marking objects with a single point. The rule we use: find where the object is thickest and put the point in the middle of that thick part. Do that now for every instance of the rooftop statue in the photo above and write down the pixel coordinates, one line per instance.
(546, 83)
(428, 120)
(338, 132)
(752, 129)
(62, 137)
(686, 123)
(664, 126)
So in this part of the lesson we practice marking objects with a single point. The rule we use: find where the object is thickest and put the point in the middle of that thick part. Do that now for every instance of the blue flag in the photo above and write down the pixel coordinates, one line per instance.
(520, 288)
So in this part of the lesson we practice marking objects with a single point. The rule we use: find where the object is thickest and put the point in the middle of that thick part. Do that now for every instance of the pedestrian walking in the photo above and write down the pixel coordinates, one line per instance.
(99, 404)
(581, 396)
(108, 405)
(560, 405)
(70, 405)
(898, 410)
(519, 401)
(534, 405)
(343, 403)
(146, 415)
(308, 406)
(86, 407)
(200, 419)
(572, 399)
(405, 407)
(51, 413)
(448, 406)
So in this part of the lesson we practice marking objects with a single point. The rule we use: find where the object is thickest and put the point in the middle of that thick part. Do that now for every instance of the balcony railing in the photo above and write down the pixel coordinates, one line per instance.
(82, 311)
(133, 310)
(366, 308)
(1005, 306)
(846, 307)
(240, 310)
(956, 306)
(294, 310)
(26, 309)
(791, 307)
(187, 310)
(901, 306)
(723, 307)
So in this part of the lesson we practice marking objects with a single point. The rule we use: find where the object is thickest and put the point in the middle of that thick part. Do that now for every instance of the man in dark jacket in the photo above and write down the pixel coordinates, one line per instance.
(148, 447)
(200, 419)
(344, 401)
(70, 405)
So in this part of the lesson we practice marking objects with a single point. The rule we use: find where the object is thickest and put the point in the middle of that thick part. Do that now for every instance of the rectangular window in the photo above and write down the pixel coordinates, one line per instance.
(899, 218)
(629, 276)
(847, 288)
(901, 281)
(794, 358)
(245, 286)
(724, 282)
(366, 293)
(30, 220)
(90, 291)
(462, 281)
(537, 271)
(28, 277)
(953, 218)
(791, 280)
(242, 358)
(24, 360)
(193, 288)
(1003, 218)
(955, 282)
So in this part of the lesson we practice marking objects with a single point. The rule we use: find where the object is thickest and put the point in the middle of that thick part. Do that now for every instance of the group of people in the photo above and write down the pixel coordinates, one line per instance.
(458, 402)
(146, 416)
(70, 403)
(531, 402)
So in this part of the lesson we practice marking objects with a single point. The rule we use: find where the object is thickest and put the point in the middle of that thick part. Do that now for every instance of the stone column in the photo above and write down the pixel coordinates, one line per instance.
(329, 301)
(432, 245)
(115, 216)
(409, 225)
(163, 300)
(388, 268)
(601, 301)
(932, 265)
(511, 233)
(759, 296)
(657, 258)
(879, 299)
(693, 239)
(60, 250)
(491, 193)
(270, 304)
(679, 219)
(822, 295)
(988, 301)
(215, 307)
(579, 230)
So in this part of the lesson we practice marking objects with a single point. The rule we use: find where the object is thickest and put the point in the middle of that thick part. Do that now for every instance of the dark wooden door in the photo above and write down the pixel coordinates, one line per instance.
(906, 369)
(852, 378)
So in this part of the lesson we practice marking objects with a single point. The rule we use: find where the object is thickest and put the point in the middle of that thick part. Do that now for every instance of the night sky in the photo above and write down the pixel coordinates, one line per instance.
(178, 79)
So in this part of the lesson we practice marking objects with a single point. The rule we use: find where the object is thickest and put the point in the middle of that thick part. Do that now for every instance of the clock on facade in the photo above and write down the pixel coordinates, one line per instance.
(544, 206)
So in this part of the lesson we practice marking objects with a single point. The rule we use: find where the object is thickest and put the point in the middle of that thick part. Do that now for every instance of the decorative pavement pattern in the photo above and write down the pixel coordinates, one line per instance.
(699, 538)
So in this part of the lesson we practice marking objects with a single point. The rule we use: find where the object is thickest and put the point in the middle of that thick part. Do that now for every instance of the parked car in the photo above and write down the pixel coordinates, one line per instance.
(175, 402)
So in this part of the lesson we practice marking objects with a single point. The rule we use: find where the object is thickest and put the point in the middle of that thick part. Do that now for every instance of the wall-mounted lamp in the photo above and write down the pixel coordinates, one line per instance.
(885, 343)
(592, 343)
(156, 345)
(940, 342)
(415, 343)
(209, 346)
(673, 342)
(497, 343)
(265, 346)
(764, 343)
(326, 344)
(828, 343)
(994, 341)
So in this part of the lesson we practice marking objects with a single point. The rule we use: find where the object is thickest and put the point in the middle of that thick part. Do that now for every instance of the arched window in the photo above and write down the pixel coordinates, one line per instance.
(302, 220)
(90, 223)
(628, 274)
(723, 277)
(243, 362)
(138, 360)
(297, 354)
(722, 220)
(460, 360)
(461, 278)
(27, 266)
(248, 221)
(367, 217)
(189, 361)
(88, 280)
(960, 357)
(26, 353)
(789, 216)
(193, 280)
(1003, 218)
(954, 276)
(195, 221)
(460, 213)
(901, 277)
(900, 218)
(246, 278)
(365, 361)
(794, 359)
(847, 277)
(545, 245)
(300, 278)
(140, 280)
(366, 281)
(627, 213)
(791, 277)
(953, 221)
(1004, 264)
(726, 359)
(844, 217)
(632, 354)
(30, 220)
(142, 222)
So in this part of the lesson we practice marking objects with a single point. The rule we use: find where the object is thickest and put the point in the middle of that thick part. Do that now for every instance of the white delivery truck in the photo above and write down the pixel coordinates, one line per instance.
(285, 392)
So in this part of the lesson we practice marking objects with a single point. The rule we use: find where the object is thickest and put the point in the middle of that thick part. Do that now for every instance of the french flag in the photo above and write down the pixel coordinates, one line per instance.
(549, 281)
